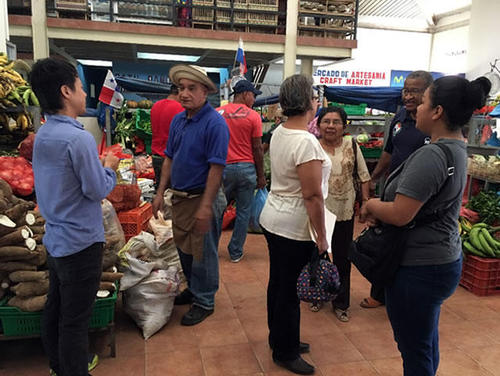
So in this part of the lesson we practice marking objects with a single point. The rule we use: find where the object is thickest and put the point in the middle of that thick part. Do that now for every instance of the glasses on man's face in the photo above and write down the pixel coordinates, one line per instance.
(332, 122)
(412, 91)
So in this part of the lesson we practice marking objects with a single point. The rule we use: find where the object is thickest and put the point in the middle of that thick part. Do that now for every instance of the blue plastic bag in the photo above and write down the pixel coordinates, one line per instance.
(259, 200)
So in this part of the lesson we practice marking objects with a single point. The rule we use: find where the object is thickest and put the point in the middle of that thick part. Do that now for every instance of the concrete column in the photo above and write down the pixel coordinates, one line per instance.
(306, 67)
(39, 30)
(292, 15)
(4, 26)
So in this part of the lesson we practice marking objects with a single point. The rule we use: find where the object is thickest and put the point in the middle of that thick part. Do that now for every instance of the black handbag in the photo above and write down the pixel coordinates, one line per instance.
(355, 177)
(378, 251)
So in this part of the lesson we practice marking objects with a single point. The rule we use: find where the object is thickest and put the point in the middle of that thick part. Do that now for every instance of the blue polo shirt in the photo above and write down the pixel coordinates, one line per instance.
(193, 144)
(70, 183)
(403, 139)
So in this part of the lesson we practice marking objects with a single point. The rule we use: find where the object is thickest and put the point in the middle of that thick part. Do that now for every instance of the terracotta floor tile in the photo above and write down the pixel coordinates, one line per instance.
(466, 334)
(491, 327)
(251, 308)
(241, 291)
(240, 272)
(172, 337)
(374, 344)
(488, 357)
(314, 324)
(130, 343)
(177, 363)
(256, 328)
(230, 360)
(458, 363)
(122, 365)
(333, 349)
(473, 312)
(220, 333)
(363, 368)
(264, 355)
(389, 366)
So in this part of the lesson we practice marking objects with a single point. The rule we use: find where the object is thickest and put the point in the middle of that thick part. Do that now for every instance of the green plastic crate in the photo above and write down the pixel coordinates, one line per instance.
(352, 109)
(19, 323)
(371, 152)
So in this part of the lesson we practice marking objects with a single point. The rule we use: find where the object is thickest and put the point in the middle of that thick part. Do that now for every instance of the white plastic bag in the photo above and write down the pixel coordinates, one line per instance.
(150, 302)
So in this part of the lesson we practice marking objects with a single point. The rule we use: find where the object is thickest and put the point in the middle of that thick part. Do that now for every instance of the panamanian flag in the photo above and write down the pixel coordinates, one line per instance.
(240, 58)
(109, 92)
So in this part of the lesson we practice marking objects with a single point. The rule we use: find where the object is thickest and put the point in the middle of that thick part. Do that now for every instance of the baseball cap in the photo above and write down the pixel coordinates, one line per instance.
(245, 85)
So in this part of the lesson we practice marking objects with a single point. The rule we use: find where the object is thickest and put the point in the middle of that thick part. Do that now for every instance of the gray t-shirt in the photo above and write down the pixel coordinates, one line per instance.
(423, 177)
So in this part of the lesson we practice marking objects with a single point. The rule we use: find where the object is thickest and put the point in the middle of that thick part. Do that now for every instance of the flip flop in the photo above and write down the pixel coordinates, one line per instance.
(315, 307)
(370, 303)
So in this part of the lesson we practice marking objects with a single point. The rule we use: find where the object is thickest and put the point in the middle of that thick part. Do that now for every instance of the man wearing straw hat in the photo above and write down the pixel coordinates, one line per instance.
(196, 155)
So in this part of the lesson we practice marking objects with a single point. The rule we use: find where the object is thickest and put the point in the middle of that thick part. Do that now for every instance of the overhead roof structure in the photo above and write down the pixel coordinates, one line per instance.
(412, 15)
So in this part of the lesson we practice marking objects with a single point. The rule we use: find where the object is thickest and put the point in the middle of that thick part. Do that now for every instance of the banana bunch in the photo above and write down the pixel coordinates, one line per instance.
(13, 87)
(478, 239)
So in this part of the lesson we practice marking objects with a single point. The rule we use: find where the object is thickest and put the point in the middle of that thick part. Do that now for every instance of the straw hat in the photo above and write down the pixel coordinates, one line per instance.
(193, 73)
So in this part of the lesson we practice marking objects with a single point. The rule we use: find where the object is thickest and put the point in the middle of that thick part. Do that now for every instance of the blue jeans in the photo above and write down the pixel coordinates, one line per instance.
(240, 180)
(413, 304)
(203, 275)
(73, 284)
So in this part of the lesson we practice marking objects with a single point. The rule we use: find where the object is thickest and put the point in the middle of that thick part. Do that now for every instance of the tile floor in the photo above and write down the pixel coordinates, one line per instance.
(233, 341)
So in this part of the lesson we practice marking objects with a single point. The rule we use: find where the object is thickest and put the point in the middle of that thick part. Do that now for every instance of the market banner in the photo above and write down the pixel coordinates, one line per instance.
(346, 77)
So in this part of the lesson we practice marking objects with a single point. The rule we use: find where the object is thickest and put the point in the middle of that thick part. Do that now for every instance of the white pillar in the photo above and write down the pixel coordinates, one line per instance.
(39, 30)
(306, 67)
(292, 15)
(4, 26)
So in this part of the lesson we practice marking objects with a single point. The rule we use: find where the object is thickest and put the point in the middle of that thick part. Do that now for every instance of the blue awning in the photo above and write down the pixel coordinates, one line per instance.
(381, 98)
(143, 86)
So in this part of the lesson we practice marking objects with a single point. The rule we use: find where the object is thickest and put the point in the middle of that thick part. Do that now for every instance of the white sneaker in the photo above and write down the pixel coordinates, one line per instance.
(237, 259)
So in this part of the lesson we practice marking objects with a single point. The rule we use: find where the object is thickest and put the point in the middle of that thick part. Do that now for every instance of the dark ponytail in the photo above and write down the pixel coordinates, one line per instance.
(459, 98)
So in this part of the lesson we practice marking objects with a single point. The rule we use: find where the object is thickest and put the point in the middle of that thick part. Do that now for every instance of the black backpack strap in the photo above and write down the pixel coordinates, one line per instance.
(450, 165)
(450, 161)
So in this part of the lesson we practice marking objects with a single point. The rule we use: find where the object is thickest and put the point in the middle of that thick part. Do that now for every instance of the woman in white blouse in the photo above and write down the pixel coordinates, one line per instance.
(332, 122)
(299, 184)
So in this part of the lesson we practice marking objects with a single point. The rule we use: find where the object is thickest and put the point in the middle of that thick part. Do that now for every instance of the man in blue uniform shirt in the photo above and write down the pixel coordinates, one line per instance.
(195, 159)
(70, 183)
(403, 139)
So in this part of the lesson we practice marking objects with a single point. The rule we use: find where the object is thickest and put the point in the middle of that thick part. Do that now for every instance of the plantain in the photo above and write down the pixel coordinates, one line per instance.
(491, 241)
(466, 225)
(34, 99)
(470, 249)
(474, 238)
(485, 246)
(26, 97)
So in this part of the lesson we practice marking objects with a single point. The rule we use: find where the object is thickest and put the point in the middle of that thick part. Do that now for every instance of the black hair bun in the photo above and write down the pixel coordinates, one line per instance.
(477, 92)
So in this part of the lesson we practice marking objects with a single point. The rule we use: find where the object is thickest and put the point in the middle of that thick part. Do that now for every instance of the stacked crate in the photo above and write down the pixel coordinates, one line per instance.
(481, 275)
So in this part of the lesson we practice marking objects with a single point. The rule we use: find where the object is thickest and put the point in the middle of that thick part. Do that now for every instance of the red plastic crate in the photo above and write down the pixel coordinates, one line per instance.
(481, 276)
(483, 268)
(135, 220)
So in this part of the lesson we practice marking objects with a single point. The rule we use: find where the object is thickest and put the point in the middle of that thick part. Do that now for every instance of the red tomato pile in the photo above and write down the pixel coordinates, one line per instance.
(17, 171)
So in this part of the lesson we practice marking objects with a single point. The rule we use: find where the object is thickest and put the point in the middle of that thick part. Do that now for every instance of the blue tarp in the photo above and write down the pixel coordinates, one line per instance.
(381, 98)
(143, 86)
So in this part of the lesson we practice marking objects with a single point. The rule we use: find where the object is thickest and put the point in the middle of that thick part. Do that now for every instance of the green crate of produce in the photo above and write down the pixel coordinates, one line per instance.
(15, 322)
(371, 152)
(351, 109)
(143, 128)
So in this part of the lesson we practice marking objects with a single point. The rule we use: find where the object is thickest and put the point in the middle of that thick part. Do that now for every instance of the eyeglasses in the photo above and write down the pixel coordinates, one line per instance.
(412, 91)
(333, 122)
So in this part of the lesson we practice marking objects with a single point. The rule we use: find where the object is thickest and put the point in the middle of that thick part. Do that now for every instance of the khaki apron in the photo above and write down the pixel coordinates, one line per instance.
(184, 207)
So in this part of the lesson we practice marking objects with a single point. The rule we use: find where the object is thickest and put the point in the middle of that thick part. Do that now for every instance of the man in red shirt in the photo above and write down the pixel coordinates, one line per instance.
(244, 166)
(162, 114)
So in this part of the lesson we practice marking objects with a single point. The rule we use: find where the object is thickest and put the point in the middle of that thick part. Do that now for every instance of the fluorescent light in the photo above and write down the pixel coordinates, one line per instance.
(96, 63)
(168, 57)
(212, 70)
